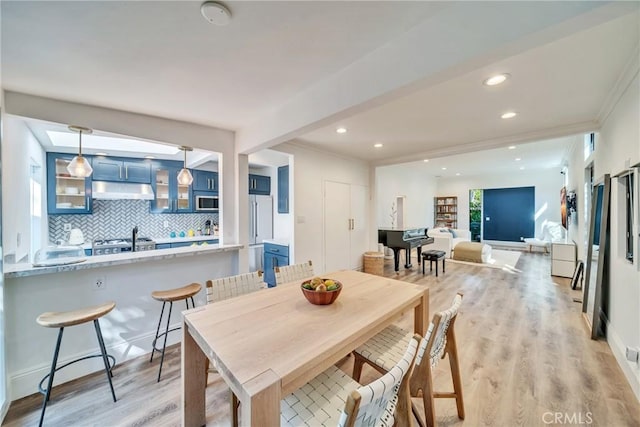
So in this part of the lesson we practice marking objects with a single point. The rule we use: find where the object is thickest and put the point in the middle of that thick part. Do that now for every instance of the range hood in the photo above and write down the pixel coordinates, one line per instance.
(121, 191)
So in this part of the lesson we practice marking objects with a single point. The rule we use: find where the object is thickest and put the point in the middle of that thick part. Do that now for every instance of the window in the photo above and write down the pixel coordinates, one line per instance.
(589, 144)
(627, 182)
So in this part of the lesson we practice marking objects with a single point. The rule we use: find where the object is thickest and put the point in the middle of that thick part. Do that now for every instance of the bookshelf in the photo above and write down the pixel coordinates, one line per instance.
(445, 211)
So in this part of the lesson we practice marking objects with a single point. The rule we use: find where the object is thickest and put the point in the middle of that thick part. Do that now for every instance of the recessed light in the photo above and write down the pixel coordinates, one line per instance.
(509, 115)
(458, 174)
(518, 159)
(496, 80)
(426, 160)
(378, 145)
(149, 157)
(512, 147)
(521, 167)
(101, 154)
(341, 130)
(444, 169)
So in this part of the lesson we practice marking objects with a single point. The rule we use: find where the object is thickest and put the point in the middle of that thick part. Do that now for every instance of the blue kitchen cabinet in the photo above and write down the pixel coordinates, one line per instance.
(274, 256)
(121, 169)
(66, 194)
(163, 245)
(259, 184)
(283, 189)
(205, 180)
(170, 197)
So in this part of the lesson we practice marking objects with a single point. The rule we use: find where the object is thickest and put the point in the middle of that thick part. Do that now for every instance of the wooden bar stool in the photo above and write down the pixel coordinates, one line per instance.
(184, 293)
(71, 318)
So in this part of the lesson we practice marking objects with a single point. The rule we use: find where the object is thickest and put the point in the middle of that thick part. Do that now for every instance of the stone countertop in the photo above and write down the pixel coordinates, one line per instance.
(281, 242)
(162, 240)
(27, 269)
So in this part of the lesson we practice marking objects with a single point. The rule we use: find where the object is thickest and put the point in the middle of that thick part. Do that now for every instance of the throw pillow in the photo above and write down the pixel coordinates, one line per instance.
(453, 232)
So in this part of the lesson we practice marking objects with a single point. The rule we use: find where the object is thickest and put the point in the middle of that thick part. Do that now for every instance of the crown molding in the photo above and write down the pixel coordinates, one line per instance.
(629, 72)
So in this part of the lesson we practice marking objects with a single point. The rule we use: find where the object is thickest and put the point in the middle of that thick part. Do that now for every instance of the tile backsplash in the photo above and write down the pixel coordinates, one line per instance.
(116, 218)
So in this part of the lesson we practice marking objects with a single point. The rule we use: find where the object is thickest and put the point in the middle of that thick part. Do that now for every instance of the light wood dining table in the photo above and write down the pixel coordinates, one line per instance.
(269, 343)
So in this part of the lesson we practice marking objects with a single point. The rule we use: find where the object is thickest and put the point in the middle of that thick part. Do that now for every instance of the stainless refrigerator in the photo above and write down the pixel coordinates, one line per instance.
(260, 228)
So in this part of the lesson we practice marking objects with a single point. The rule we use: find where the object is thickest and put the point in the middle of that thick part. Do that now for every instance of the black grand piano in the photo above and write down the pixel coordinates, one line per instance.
(406, 239)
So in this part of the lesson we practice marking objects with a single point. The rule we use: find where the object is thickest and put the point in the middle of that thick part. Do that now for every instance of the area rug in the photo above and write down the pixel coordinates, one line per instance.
(505, 260)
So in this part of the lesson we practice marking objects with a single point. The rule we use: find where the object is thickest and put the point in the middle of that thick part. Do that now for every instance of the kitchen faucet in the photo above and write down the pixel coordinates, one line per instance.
(134, 237)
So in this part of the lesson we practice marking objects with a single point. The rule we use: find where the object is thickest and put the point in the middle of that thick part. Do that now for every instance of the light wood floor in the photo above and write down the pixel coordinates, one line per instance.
(523, 346)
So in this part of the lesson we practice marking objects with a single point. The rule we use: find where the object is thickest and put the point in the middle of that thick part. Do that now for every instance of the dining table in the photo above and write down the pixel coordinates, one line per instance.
(267, 344)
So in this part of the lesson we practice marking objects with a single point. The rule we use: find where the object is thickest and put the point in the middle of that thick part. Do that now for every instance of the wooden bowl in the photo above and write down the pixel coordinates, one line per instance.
(321, 298)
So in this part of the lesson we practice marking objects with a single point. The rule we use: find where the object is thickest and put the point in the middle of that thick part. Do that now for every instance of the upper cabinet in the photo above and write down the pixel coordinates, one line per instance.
(121, 170)
(66, 194)
(259, 184)
(283, 189)
(171, 197)
(205, 180)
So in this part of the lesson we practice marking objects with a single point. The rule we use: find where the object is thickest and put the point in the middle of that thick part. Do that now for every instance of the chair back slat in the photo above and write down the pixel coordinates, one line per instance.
(291, 273)
(375, 404)
(233, 286)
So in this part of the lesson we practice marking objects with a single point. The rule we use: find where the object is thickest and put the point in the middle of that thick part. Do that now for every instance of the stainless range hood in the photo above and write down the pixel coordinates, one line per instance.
(121, 191)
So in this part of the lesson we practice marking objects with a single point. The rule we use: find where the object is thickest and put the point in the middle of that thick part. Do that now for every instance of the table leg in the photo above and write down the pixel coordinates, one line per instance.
(261, 402)
(194, 381)
(442, 265)
(421, 314)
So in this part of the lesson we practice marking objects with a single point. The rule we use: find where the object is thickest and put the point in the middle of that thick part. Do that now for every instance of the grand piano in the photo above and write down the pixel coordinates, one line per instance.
(407, 239)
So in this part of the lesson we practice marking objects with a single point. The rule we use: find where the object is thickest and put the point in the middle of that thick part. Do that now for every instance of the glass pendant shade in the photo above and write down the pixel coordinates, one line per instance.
(80, 167)
(184, 177)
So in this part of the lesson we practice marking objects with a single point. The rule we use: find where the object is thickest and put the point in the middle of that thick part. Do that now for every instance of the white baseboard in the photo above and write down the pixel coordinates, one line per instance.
(630, 370)
(25, 382)
(4, 410)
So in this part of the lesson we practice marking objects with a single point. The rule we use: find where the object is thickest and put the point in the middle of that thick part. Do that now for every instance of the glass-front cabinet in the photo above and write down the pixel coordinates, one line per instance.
(66, 194)
(171, 197)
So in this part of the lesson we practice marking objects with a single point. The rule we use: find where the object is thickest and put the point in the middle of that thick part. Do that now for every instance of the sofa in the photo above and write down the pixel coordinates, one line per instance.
(445, 239)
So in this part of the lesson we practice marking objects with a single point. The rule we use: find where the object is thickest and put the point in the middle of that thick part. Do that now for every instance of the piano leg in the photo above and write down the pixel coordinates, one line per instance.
(396, 259)
(407, 253)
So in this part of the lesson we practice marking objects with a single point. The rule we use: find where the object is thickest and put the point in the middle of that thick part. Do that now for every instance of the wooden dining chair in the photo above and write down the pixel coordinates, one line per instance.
(383, 350)
(291, 273)
(231, 287)
(334, 398)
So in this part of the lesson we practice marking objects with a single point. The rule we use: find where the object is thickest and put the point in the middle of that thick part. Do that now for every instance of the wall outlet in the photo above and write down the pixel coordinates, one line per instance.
(632, 354)
(100, 283)
(66, 227)
(165, 224)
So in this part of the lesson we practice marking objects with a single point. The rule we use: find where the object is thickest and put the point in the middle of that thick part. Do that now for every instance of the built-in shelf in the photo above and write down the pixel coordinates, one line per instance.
(445, 211)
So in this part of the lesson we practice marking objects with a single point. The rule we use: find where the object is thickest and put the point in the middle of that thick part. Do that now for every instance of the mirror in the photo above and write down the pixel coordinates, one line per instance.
(596, 279)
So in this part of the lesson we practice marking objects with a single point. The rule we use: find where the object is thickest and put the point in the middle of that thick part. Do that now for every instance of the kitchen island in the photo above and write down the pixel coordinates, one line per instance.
(125, 278)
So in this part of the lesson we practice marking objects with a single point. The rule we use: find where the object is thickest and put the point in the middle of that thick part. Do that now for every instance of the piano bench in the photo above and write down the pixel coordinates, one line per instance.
(433, 256)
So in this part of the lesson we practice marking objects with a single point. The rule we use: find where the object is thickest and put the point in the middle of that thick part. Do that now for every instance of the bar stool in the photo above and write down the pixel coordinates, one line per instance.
(184, 293)
(71, 318)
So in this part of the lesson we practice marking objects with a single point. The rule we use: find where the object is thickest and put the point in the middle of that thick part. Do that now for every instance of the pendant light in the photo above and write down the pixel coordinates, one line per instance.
(79, 166)
(184, 177)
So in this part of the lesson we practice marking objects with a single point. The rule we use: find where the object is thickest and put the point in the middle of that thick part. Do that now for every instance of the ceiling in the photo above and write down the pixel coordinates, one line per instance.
(162, 58)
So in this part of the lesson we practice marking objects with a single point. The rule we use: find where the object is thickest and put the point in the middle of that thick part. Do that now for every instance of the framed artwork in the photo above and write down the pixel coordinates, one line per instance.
(577, 275)
(563, 206)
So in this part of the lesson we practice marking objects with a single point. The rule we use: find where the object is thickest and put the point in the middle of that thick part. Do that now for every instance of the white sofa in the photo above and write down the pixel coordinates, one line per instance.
(443, 240)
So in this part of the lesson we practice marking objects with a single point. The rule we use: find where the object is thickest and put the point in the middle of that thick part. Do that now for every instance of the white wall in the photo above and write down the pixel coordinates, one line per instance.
(309, 171)
(19, 150)
(619, 142)
(547, 183)
(409, 180)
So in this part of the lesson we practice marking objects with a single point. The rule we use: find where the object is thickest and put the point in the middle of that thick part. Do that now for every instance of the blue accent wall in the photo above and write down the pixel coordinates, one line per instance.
(509, 213)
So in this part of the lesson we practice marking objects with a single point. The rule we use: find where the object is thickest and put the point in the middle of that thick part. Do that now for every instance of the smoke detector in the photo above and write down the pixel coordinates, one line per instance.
(215, 13)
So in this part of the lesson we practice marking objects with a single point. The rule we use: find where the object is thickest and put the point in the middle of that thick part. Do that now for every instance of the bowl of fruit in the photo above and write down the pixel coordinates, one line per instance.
(320, 291)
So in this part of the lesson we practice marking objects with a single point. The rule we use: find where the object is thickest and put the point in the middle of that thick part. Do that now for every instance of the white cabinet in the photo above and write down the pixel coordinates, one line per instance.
(563, 258)
(345, 225)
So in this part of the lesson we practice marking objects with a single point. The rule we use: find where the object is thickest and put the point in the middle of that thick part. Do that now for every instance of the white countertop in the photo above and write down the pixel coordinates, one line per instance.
(184, 239)
(281, 242)
(27, 269)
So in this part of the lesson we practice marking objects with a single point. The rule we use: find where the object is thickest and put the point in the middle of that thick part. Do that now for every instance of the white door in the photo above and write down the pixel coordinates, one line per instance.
(336, 226)
(360, 225)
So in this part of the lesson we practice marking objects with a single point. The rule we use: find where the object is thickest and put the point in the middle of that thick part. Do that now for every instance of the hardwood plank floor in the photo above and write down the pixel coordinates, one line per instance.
(524, 349)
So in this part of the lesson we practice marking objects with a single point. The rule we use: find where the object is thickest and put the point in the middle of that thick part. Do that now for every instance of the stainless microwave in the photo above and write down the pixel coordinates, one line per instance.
(206, 203)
